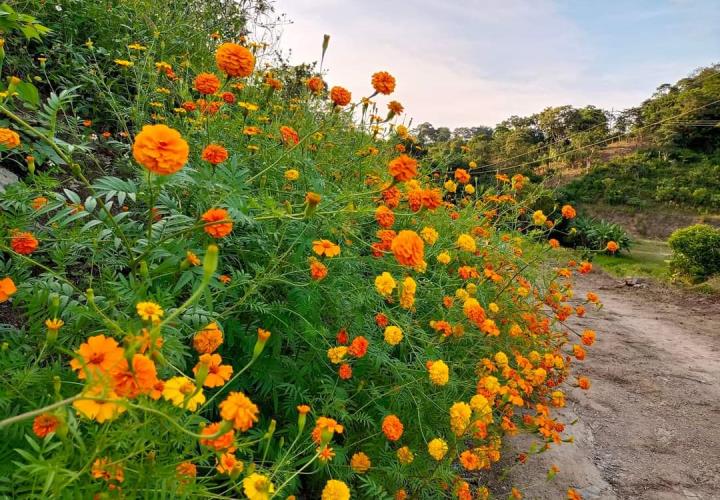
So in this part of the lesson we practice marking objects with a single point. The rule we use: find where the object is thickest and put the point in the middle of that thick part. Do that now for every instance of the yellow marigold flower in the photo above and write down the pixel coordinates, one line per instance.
(539, 218)
(136, 46)
(335, 490)
(407, 296)
(450, 186)
(336, 354)
(438, 372)
(393, 335)
(429, 235)
(466, 242)
(385, 284)
(292, 175)
(471, 288)
(181, 392)
(405, 455)
(469, 189)
(258, 487)
(402, 131)
(481, 406)
(493, 307)
(54, 324)
(99, 410)
(444, 258)
(437, 448)
(460, 414)
(360, 462)
(248, 106)
(326, 248)
(149, 311)
(501, 359)
(124, 63)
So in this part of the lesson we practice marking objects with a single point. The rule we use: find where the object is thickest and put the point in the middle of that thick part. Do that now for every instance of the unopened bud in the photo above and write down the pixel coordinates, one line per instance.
(210, 262)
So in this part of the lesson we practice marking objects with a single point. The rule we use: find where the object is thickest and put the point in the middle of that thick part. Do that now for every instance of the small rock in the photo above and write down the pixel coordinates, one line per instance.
(6, 178)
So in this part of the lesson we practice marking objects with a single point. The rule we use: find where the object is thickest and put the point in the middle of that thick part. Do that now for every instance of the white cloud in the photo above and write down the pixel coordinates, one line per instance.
(459, 62)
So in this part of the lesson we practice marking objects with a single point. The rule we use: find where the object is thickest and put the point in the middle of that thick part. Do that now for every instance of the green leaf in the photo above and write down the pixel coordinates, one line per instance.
(28, 93)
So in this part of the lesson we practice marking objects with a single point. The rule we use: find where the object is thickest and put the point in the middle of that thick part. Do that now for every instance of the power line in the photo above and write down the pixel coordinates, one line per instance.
(565, 138)
(608, 139)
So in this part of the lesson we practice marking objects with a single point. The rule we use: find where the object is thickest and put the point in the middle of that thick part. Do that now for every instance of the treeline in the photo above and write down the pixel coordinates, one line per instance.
(684, 115)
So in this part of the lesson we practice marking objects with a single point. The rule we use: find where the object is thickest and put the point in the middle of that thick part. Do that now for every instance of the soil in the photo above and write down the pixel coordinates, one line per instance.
(649, 427)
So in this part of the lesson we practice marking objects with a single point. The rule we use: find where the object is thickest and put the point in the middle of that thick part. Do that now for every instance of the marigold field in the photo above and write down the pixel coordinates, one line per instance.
(241, 282)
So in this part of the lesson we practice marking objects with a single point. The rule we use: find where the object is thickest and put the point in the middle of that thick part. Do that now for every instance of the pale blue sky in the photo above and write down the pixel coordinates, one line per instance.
(473, 62)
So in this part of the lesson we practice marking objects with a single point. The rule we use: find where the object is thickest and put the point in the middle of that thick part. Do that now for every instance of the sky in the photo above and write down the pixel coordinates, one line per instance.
(476, 62)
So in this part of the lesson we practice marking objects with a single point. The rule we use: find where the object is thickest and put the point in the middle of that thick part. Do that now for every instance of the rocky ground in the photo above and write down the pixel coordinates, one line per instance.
(649, 427)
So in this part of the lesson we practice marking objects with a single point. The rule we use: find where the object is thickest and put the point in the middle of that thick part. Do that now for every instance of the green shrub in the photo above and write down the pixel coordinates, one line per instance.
(595, 234)
(696, 250)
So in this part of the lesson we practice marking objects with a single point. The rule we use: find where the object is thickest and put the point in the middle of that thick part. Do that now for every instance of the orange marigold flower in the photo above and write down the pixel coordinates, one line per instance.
(554, 243)
(470, 461)
(99, 355)
(612, 247)
(9, 138)
(141, 379)
(39, 202)
(7, 288)
(408, 248)
(384, 216)
(217, 373)
(360, 462)
(431, 198)
(215, 154)
(206, 83)
(223, 442)
(383, 82)
(584, 383)
(44, 424)
(340, 96)
(395, 108)
(219, 223)
(568, 212)
(462, 176)
(228, 97)
(403, 168)
(186, 471)
(318, 270)
(238, 409)
(312, 199)
(358, 347)
(102, 468)
(326, 248)
(289, 135)
(208, 339)
(345, 371)
(160, 149)
(573, 495)
(392, 427)
(325, 425)
(381, 320)
(24, 243)
(234, 60)
(588, 337)
(315, 84)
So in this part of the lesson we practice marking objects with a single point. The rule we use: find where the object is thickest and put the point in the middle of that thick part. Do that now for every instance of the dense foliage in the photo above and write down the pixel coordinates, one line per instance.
(696, 251)
(225, 285)
(680, 178)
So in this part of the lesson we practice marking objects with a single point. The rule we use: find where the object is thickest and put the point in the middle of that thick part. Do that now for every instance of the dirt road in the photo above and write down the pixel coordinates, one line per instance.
(649, 427)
